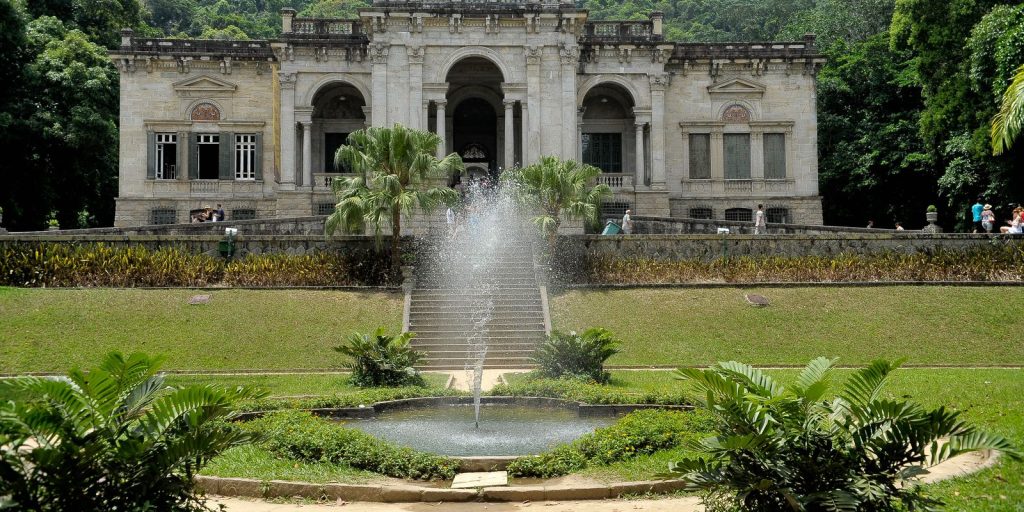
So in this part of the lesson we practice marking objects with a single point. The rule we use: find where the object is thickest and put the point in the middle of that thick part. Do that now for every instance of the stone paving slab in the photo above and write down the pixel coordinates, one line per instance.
(480, 479)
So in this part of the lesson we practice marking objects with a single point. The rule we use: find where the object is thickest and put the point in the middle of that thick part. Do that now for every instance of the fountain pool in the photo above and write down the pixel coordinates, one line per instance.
(504, 429)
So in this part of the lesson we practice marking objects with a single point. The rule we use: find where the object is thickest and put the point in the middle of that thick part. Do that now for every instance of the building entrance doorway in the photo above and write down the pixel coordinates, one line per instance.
(476, 116)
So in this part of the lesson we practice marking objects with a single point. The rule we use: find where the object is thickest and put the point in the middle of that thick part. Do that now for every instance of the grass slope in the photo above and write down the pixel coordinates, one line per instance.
(292, 385)
(927, 325)
(53, 330)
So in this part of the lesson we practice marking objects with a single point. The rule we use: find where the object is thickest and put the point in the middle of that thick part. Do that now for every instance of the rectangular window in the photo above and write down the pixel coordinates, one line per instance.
(166, 156)
(700, 156)
(245, 157)
(243, 214)
(324, 208)
(603, 150)
(208, 156)
(777, 215)
(163, 216)
(775, 156)
(737, 156)
(702, 213)
(739, 214)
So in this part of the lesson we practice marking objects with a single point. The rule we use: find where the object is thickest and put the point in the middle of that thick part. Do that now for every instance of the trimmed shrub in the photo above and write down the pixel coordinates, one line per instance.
(587, 392)
(302, 436)
(638, 433)
(576, 355)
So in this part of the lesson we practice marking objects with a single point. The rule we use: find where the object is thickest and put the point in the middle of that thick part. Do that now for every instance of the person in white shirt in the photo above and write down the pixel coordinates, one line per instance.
(627, 223)
(759, 221)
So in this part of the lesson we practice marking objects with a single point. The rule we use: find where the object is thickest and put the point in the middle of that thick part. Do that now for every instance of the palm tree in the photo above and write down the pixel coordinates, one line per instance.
(558, 188)
(796, 449)
(394, 166)
(1009, 121)
(113, 438)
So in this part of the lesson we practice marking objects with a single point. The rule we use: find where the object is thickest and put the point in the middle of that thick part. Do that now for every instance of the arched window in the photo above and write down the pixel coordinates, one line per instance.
(736, 114)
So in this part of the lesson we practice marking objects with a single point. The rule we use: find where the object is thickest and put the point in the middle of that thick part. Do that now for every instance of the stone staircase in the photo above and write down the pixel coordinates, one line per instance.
(466, 295)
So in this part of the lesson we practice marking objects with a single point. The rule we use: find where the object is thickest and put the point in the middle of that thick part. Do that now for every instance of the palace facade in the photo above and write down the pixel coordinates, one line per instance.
(678, 129)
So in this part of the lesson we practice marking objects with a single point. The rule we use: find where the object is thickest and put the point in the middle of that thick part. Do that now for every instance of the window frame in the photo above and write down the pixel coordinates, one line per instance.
(245, 156)
(614, 149)
(162, 140)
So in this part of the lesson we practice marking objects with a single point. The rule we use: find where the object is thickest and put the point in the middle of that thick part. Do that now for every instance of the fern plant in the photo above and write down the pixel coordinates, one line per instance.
(576, 355)
(113, 438)
(379, 359)
(795, 449)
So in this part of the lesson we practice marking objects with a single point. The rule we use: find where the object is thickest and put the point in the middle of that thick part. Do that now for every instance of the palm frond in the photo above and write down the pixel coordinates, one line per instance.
(1009, 121)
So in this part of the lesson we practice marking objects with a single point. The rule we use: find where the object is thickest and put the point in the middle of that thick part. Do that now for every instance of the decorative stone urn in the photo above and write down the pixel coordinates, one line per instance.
(931, 217)
(932, 227)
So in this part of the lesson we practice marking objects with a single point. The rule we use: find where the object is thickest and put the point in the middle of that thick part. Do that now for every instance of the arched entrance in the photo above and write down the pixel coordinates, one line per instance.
(476, 124)
(337, 112)
(608, 132)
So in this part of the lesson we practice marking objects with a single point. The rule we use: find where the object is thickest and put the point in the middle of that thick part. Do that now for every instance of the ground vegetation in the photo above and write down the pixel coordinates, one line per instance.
(576, 355)
(381, 359)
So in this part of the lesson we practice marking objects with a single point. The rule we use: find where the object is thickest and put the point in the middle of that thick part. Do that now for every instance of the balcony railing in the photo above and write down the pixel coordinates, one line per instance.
(204, 186)
(616, 180)
(745, 186)
(326, 27)
(620, 31)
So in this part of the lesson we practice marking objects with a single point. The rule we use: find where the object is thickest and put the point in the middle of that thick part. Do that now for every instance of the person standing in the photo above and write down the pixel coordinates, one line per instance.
(627, 223)
(988, 218)
(976, 210)
(760, 224)
(220, 213)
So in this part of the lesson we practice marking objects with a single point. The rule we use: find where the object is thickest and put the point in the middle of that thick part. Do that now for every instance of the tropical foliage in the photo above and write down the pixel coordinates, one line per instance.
(379, 359)
(395, 166)
(1009, 121)
(798, 448)
(558, 190)
(576, 355)
(113, 438)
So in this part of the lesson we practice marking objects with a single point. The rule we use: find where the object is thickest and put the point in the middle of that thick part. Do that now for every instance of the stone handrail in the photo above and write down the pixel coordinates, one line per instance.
(616, 180)
(326, 27)
(620, 31)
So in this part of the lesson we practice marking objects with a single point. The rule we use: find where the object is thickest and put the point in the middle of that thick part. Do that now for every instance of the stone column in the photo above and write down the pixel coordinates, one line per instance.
(756, 155)
(570, 58)
(415, 54)
(524, 133)
(658, 85)
(307, 153)
(531, 130)
(510, 134)
(579, 134)
(638, 127)
(442, 148)
(425, 116)
(717, 162)
(379, 60)
(287, 82)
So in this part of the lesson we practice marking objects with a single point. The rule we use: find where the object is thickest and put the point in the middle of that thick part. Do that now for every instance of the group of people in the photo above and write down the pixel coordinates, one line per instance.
(985, 219)
(207, 214)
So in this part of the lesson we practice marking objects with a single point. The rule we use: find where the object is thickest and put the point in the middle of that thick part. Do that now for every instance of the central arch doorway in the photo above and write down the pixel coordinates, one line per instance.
(476, 116)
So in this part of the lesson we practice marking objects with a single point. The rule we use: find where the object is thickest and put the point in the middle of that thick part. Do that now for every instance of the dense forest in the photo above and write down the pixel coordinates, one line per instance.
(904, 104)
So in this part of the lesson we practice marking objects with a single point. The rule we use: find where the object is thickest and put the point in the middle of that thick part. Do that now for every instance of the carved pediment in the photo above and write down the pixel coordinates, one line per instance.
(737, 87)
(205, 84)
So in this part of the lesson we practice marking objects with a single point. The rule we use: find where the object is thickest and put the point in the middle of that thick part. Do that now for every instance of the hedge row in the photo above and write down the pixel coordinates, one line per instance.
(302, 436)
(587, 392)
(638, 433)
(98, 264)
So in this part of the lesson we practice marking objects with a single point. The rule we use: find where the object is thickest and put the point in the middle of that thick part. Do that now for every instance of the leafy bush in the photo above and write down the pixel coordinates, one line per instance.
(587, 392)
(112, 438)
(300, 435)
(379, 359)
(795, 449)
(638, 433)
(576, 355)
(997, 262)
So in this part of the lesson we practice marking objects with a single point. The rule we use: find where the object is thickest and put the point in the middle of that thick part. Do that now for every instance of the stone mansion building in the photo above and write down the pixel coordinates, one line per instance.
(679, 129)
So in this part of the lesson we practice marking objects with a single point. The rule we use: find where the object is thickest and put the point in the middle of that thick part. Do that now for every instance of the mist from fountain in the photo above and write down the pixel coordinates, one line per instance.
(468, 259)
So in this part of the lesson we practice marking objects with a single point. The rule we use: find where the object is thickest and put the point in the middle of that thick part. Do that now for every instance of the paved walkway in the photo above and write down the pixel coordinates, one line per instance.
(688, 504)
(464, 378)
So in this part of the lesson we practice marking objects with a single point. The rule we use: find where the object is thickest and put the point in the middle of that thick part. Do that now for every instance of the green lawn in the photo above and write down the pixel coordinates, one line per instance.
(54, 330)
(992, 399)
(293, 385)
(257, 462)
(927, 325)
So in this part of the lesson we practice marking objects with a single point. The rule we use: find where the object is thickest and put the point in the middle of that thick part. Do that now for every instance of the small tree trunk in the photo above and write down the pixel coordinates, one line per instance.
(396, 240)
